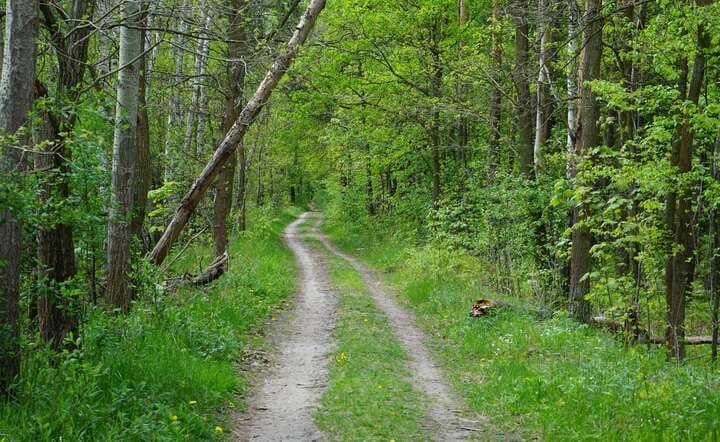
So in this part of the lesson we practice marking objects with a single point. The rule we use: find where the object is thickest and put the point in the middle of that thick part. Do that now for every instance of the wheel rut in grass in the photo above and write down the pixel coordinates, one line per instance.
(445, 408)
(282, 406)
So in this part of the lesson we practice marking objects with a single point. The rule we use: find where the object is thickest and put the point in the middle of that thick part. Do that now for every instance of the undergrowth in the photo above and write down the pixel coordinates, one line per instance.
(369, 395)
(550, 378)
(167, 371)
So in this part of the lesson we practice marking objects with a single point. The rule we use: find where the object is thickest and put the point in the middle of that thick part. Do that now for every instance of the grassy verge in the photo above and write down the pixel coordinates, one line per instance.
(166, 371)
(369, 396)
(554, 379)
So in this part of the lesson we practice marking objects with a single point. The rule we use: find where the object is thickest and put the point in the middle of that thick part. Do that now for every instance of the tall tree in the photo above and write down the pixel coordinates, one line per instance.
(679, 211)
(588, 136)
(523, 106)
(496, 93)
(16, 97)
(69, 33)
(144, 166)
(543, 103)
(236, 47)
(124, 169)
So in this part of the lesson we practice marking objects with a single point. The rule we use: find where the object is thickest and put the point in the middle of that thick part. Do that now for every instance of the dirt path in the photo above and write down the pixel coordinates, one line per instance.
(282, 406)
(445, 407)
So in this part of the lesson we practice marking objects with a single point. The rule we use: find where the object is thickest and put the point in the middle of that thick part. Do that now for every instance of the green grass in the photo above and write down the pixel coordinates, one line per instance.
(168, 370)
(554, 379)
(369, 396)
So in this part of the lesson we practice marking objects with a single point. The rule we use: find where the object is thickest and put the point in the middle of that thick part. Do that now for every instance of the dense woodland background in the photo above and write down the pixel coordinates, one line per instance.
(571, 147)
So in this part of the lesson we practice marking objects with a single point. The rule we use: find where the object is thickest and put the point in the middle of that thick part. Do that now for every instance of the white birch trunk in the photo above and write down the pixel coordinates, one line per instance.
(124, 159)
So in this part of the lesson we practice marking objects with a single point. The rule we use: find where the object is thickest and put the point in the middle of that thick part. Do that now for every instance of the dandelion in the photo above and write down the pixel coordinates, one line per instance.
(365, 320)
(218, 430)
(173, 418)
(192, 402)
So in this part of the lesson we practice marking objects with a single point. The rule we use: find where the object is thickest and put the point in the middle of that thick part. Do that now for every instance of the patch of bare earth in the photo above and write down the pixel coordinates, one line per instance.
(282, 405)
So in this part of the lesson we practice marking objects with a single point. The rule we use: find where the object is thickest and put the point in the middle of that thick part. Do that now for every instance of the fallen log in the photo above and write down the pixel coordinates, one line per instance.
(214, 271)
(689, 340)
(643, 335)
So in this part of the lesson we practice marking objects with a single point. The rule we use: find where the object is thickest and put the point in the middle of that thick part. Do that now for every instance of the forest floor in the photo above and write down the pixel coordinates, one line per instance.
(284, 403)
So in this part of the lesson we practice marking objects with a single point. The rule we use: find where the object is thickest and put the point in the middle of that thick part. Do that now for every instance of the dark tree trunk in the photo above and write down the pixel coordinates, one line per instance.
(16, 96)
(522, 84)
(715, 258)
(587, 138)
(495, 95)
(679, 218)
(436, 89)
(233, 103)
(144, 166)
(57, 315)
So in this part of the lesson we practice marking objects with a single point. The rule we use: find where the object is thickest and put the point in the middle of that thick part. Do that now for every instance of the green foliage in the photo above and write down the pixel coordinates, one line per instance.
(164, 371)
(547, 378)
(369, 396)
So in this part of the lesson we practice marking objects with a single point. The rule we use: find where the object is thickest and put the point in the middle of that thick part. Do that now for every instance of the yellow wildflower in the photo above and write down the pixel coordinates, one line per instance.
(173, 418)
(192, 402)
(218, 430)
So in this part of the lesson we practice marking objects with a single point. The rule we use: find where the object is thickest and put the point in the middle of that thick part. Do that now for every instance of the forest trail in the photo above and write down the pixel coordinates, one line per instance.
(282, 406)
(445, 408)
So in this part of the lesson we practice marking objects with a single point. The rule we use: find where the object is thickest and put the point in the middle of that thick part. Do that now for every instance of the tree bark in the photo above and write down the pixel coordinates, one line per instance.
(436, 89)
(495, 94)
(57, 315)
(125, 156)
(682, 264)
(196, 99)
(233, 102)
(144, 166)
(589, 137)
(175, 112)
(543, 103)
(715, 258)
(522, 84)
(228, 145)
(572, 86)
(16, 96)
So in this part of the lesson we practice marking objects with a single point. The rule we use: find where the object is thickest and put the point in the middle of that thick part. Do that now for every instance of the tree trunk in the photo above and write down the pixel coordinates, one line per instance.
(572, 89)
(462, 124)
(16, 97)
(228, 145)
(681, 264)
(495, 95)
(144, 166)
(543, 104)
(522, 84)
(715, 258)
(196, 100)
(436, 89)
(125, 157)
(233, 102)
(588, 138)
(56, 245)
(175, 111)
